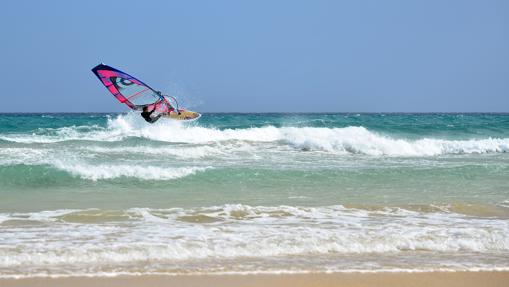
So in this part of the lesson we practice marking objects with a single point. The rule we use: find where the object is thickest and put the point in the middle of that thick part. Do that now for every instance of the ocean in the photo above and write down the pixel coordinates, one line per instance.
(108, 194)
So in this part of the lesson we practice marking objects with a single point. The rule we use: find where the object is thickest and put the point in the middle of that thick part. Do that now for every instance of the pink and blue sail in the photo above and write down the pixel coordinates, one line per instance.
(129, 90)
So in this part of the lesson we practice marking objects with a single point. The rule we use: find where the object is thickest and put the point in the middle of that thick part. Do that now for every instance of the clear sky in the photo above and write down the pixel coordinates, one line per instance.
(260, 56)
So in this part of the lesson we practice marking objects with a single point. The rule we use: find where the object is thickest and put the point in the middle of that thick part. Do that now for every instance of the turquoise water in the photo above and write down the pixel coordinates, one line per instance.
(108, 193)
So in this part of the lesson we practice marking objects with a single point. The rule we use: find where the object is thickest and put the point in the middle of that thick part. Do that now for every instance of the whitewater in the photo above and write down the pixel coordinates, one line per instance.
(109, 194)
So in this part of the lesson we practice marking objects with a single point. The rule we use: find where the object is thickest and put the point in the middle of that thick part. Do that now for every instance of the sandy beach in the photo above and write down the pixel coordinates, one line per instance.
(450, 279)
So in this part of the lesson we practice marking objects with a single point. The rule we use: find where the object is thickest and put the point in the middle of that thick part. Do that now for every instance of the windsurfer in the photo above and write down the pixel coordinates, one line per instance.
(138, 95)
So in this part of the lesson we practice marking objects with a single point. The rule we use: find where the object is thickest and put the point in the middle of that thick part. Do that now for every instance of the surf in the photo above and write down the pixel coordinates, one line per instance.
(350, 140)
(242, 238)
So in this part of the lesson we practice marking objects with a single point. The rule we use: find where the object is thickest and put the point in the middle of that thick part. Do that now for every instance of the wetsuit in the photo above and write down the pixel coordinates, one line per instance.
(148, 116)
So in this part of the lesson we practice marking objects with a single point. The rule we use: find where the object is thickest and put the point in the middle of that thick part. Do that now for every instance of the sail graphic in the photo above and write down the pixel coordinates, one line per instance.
(129, 90)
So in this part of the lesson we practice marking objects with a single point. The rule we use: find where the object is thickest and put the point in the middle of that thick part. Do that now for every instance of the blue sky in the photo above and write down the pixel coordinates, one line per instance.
(260, 56)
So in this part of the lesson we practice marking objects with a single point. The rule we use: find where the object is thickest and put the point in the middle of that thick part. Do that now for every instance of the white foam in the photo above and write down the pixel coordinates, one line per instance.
(41, 216)
(88, 167)
(194, 152)
(50, 135)
(358, 140)
(328, 238)
(13, 156)
(111, 171)
(347, 140)
(241, 230)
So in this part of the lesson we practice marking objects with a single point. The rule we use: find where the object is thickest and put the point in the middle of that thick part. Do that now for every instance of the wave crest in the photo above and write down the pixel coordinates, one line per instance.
(347, 140)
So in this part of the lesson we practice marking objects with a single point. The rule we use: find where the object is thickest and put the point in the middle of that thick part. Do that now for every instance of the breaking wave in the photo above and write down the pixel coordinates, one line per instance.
(90, 170)
(347, 140)
(103, 171)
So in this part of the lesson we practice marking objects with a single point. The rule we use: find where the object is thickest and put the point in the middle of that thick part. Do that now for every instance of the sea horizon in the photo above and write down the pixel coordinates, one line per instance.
(403, 113)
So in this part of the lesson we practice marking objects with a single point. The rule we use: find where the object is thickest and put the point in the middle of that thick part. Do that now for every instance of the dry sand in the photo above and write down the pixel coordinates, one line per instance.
(449, 279)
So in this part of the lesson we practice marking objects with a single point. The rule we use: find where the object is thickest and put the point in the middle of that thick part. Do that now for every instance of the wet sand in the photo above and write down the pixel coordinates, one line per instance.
(449, 279)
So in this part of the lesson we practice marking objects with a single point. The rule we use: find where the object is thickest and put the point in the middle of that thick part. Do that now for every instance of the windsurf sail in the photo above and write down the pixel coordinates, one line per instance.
(131, 91)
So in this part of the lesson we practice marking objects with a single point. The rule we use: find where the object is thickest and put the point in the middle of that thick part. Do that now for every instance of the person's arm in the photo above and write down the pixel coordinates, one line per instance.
(154, 119)
(153, 110)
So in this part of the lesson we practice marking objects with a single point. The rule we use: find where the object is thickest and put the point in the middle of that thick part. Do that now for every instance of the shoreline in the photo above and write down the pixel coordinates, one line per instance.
(456, 278)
